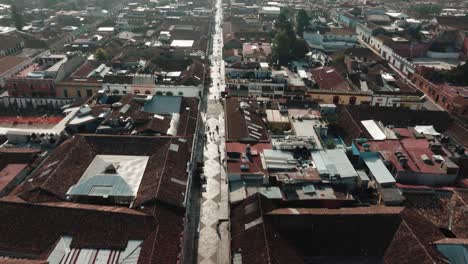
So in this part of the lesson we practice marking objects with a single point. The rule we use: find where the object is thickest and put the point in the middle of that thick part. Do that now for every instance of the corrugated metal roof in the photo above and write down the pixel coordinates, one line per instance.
(333, 162)
(374, 129)
(129, 168)
(163, 105)
(104, 186)
(378, 170)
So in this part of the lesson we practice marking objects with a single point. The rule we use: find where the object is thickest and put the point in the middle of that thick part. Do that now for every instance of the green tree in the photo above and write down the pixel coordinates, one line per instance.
(17, 17)
(284, 24)
(281, 47)
(426, 10)
(300, 48)
(101, 55)
(302, 21)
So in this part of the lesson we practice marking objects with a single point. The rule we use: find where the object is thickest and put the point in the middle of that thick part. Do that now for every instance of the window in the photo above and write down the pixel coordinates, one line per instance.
(181, 93)
(169, 94)
(78, 93)
(137, 91)
(336, 99)
(89, 93)
(147, 92)
(159, 93)
(65, 93)
(352, 100)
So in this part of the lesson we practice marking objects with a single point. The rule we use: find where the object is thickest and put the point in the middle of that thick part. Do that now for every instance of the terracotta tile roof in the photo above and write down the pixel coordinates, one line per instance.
(413, 241)
(238, 125)
(9, 172)
(260, 243)
(255, 164)
(84, 70)
(262, 235)
(163, 245)
(413, 148)
(33, 228)
(21, 261)
(193, 75)
(457, 22)
(328, 78)
(459, 133)
(350, 118)
(9, 62)
(161, 181)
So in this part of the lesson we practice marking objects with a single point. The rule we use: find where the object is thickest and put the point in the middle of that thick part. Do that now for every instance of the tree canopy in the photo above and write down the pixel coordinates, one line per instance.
(101, 55)
(302, 21)
(17, 17)
(285, 44)
(426, 10)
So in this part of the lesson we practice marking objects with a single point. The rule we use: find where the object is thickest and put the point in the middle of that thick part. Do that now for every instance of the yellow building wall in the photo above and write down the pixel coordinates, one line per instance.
(343, 98)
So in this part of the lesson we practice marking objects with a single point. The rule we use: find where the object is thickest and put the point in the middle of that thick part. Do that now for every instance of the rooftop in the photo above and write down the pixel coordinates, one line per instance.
(328, 78)
(243, 123)
(263, 230)
(165, 166)
(9, 62)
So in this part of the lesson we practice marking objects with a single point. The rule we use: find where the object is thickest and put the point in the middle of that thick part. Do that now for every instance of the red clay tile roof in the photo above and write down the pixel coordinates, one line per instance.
(412, 241)
(350, 117)
(33, 228)
(64, 167)
(328, 78)
(261, 235)
(237, 125)
(193, 75)
(83, 71)
(413, 148)
(9, 62)
(21, 261)
(163, 245)
(260, 243)
(459, 133)
(9, 172)
(457, 22)
(255, 165)
(371, 210)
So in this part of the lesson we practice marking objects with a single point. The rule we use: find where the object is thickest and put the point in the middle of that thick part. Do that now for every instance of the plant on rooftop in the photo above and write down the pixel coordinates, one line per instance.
(330, 144)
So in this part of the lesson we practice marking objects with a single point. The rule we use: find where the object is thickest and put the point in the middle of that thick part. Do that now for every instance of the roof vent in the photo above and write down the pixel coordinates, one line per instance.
(111, 169)
(426, 159)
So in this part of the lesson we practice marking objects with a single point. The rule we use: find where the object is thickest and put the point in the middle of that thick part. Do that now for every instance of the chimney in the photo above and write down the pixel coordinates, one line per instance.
(248, 152)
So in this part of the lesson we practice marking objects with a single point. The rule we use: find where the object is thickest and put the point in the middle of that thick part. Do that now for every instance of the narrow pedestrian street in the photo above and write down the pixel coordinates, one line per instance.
(213, 242)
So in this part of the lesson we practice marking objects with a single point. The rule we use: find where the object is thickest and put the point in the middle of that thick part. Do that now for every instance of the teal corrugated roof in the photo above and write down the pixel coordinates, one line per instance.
(102, 185)
(163, 105)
